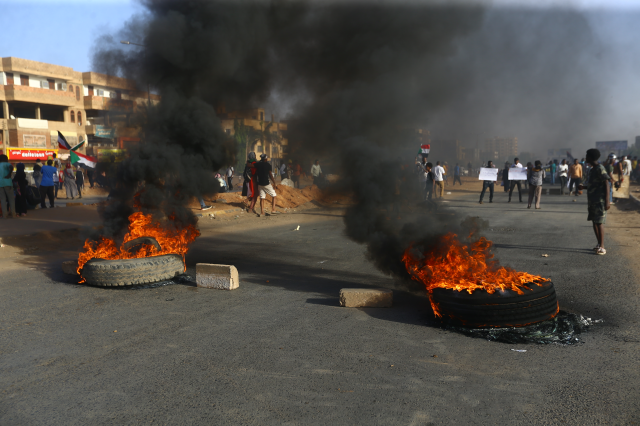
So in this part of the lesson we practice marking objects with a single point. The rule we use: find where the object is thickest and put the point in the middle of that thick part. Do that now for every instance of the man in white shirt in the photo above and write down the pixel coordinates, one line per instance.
(230, 172)
(517, 165)
(563, 174)
(438, 173)
(316, 172)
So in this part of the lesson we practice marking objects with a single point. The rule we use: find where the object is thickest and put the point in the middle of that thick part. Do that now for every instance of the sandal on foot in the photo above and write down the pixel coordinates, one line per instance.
(601, 251)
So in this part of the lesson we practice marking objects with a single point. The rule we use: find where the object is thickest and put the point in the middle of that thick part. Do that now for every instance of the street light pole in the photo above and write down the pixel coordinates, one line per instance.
(148, 85)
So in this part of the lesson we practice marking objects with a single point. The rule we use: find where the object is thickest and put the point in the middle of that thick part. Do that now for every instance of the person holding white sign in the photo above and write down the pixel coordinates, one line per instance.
(516, 176)
(488, 176)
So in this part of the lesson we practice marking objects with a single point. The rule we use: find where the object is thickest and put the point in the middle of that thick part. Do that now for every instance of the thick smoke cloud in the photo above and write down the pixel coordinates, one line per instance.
(359, 78)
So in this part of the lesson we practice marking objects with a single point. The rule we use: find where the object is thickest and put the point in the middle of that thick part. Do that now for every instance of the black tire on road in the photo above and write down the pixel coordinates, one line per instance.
(500, 309)
(123, 272)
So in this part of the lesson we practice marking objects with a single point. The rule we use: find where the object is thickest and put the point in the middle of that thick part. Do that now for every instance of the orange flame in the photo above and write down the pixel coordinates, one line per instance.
(172, 241)
(454, 265)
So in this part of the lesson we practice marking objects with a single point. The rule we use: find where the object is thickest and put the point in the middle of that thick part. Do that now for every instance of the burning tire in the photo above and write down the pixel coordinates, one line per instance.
(123, 272)
(500, 309)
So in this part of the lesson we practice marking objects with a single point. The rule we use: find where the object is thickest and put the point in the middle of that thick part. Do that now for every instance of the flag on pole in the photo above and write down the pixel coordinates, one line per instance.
(424, 150)
(62, 142)
(78, 159)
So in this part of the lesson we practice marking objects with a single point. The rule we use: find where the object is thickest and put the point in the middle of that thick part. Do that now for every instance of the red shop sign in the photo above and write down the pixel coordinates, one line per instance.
(30, 154)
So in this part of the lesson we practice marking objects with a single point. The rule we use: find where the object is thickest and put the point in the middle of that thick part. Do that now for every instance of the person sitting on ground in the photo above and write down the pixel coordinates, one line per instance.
(598, 184)
(263, 173)
(575, 174)
(6, 187)
(536, 176)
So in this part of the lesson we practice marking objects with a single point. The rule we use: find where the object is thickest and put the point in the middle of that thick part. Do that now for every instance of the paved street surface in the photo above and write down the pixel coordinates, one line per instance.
(279, 350)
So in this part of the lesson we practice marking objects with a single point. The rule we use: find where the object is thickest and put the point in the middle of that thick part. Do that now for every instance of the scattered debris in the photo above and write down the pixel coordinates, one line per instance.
(298, 228)
(564, 329)
(519, 350)
(322, 261)
(545, 255)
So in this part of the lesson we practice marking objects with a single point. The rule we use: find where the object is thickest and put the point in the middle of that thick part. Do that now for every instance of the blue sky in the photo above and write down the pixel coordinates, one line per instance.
(61, 33)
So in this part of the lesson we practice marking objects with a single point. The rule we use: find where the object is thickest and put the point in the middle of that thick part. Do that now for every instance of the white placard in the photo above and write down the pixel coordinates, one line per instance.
(517, 173)
(488, 174)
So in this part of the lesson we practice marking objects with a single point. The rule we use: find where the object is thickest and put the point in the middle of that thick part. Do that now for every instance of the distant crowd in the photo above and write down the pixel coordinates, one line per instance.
(20, 190)
(599, 180)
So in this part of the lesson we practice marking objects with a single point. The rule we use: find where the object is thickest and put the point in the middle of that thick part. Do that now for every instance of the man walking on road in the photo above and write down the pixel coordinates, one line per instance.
(316, 172)
(516, 165)
(264, 173)
(456, 175)
(598, 184)
(439, 173)
(488, 184)
(575, 172)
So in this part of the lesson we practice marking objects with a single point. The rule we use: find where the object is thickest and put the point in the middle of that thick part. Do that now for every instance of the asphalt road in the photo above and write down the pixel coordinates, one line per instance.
(279, 350)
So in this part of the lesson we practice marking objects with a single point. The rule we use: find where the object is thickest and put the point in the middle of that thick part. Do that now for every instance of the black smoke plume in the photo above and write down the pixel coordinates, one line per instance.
(357, 78)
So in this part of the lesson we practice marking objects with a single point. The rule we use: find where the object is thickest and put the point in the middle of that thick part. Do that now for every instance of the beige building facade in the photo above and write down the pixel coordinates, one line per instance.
(40, 99)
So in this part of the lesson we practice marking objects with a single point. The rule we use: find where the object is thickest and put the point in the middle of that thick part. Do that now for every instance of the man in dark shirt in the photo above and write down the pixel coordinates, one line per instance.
(263, 174)
(598, 186)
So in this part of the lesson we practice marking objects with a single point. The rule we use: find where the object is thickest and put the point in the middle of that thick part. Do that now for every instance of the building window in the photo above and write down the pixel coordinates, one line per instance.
(9, 79)
(24, 80)
(259, 148)
(79, 116)
(73, 117)
(71, 88)
(90, 90)
(52, 84)
(77, 99)
(262, 116)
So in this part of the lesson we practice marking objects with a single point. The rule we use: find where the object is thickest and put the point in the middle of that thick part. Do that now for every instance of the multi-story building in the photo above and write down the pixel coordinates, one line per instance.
(39, 99)
(265, 136)
(501, 148)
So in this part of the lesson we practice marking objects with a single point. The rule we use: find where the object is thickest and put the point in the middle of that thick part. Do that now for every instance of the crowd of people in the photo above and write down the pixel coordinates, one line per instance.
(19, 191)
(600, 180)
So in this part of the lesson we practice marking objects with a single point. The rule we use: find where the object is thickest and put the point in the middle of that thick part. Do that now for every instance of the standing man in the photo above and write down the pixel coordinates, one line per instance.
(79, 181)
(609, 168)
(505, 177)
(46, 186)
(316, 172)
(446, 172)
(470, 167)
(297, 170)
(439, 173)
(6, 188)
(283, 171)
(488, 184)
(37, 173)
(264, 173)
(554, 165)
(563, 171)
(516, 165)
(230, 172)
(575, 172)
(598, 184)
(535, 174)
(456, 175)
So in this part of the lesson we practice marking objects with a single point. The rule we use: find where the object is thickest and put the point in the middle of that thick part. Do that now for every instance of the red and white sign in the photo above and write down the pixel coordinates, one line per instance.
(16, 154)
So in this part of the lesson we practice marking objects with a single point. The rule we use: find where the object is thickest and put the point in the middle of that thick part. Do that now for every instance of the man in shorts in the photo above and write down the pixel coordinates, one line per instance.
(263, 174)
(598, 184)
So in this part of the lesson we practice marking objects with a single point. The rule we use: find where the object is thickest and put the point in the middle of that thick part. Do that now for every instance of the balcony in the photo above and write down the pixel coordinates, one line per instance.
(38, 96)
(103, 104)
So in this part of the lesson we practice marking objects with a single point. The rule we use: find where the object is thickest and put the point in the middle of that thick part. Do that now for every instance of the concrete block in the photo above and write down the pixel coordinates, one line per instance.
(70, 267)
(366, 298)
(220, 277)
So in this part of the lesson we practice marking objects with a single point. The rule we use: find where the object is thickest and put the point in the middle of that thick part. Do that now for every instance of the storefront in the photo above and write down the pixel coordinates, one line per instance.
(29, 155)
